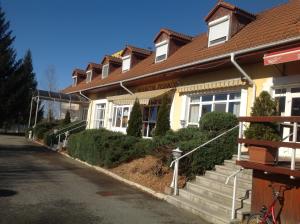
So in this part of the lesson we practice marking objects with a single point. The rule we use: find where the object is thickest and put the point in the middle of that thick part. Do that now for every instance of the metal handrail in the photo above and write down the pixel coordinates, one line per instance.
(174, 183)
(61, 130)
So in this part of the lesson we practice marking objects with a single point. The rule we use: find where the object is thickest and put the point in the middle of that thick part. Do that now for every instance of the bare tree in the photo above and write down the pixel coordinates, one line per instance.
(51, 83)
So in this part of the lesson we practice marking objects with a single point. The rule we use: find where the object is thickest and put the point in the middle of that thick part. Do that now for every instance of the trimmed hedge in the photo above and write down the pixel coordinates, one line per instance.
(106, 148)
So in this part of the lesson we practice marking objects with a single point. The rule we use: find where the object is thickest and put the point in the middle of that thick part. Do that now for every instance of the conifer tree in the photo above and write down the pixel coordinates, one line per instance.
(67, 119)
(135, 123)
(8, 66)
(163, 118)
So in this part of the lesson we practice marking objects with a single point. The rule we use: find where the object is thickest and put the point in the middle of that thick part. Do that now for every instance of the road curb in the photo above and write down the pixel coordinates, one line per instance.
(109, 173)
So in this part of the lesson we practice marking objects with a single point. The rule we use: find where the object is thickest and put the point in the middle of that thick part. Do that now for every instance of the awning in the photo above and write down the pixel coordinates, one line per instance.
(143, 97)
(279, 57)
(202, 87)
(60, 97)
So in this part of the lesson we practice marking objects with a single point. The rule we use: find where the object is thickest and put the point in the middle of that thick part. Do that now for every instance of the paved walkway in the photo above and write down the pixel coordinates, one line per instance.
(40, 186)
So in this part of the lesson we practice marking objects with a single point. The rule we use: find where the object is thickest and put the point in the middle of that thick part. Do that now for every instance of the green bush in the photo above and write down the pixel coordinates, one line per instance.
(135, 122)
(163, 118)
(42, 128)
(106, 148)
(264, 105)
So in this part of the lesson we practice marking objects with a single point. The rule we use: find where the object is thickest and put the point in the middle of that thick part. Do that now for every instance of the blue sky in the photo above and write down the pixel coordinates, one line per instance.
(66, 34)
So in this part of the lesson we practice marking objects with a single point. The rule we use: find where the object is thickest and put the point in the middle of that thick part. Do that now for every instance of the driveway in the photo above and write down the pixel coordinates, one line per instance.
(41, 186)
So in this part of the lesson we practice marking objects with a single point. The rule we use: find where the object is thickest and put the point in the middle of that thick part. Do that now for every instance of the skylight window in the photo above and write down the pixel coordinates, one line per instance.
(126, 63)
(89, 75)
(161, 51)
(105, 70)
(219, 31)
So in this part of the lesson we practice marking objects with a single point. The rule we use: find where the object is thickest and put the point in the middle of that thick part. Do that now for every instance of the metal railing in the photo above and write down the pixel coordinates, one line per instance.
(177, 157)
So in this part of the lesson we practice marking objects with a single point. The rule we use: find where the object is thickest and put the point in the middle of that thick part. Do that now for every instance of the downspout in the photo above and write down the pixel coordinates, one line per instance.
(242, 71)
(90, 101)
(124, 87)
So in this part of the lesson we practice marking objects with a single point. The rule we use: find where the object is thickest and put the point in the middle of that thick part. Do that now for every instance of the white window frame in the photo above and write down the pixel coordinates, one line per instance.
(99, 120)
(89, 76)
(160, 44)
(216, 22)
(213, 102)
(114, 116)
(105, 75)
(124, 59)
(74, 80)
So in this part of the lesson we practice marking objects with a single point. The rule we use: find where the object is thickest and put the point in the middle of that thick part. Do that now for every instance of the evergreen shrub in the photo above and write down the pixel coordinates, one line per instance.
(135, 122)
(163, 118)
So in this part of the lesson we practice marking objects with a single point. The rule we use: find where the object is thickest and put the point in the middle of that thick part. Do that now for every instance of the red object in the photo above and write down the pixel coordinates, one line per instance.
(279, 57)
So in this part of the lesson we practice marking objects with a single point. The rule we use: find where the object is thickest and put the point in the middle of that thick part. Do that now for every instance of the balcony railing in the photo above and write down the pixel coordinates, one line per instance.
(280, 167)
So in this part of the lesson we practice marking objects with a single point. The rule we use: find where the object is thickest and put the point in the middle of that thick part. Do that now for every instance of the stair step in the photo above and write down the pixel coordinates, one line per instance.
(234, 157)
(223, 208)
(205, 212)
(245, 174)
(220, 178)
(231, 164)
(217, 196)
(222, 188)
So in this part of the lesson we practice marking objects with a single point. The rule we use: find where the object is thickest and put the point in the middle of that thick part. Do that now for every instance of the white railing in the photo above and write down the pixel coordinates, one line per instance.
(177, 157)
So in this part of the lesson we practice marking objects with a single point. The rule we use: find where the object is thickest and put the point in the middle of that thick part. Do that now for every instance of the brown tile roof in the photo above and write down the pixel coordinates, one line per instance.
(112, 59)
(78, 71)
(138, 50)
(278, 23)
(227, 5)
(174, 34)
(93, 66)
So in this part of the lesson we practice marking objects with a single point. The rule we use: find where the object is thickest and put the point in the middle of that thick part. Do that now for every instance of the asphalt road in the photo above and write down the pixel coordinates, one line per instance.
(40, 186)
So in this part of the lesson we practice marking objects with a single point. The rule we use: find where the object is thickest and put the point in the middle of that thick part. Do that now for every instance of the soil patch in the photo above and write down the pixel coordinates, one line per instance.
(149, 172)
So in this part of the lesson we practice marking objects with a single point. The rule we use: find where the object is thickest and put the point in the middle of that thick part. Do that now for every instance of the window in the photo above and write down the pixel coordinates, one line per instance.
(100, 115)
(222, 102)
(126, 63)
(121, 116)
(105, 70)
(74, 80)
(161, 51)
(218, 31)
(149, 120)
(89, 75)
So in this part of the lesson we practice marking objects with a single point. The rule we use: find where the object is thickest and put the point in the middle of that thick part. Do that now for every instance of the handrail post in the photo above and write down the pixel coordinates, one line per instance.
(176, 154)
(293, 158)
(240, 144)
(234, 198)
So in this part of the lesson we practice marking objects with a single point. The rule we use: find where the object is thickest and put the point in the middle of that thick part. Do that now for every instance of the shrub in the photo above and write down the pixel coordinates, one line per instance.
(67, 119)
(106, 148)
(135, 123)
(43, 127)
(264, 105)
(163, 118)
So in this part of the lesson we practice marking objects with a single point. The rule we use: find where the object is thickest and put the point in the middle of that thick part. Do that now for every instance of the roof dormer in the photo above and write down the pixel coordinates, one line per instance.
(110, 64)
(167, 42)
(224, 21)
(132, 55)
(78, 76)
(92, 71)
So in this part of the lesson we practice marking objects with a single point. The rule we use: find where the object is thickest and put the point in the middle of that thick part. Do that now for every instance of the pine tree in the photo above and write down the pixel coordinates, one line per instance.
(67, 119)
(8, 66)
(135, 123)
(163, 118)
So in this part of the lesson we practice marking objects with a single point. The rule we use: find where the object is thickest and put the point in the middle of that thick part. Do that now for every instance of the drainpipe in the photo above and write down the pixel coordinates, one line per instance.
(124, 87)
(90, 101)
(242, 71)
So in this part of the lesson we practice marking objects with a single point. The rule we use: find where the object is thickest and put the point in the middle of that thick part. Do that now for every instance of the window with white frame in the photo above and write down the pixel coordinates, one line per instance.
(100, 115)
(105, 70)
(89, 76)
(74, 80)
(161, 51)
(120, 116)
(126, 63)
(220, 102)
(219, 31)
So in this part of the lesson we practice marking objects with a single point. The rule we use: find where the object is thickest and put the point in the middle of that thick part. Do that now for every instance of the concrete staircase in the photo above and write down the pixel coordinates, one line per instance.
(209, 197)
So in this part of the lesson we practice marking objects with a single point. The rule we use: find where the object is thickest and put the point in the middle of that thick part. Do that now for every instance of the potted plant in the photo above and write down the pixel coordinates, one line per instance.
(264, 105)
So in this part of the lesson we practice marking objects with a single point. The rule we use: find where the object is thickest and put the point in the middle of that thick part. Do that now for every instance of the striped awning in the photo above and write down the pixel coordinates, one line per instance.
(202, 87)
(143, 97)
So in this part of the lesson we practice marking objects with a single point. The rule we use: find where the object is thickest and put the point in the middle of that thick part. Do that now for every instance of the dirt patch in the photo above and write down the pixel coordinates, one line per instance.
(149, 172)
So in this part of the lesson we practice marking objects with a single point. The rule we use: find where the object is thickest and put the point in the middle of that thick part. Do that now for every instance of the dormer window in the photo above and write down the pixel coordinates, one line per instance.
(74, 80)
(218, 31)
(161, 51)
(126, 63)
(105, 70)
(89, 75)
